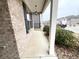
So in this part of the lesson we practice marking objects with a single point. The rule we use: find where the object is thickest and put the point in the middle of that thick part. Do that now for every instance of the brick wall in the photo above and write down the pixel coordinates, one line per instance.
(8, 46)
(12, 30)
(18, 23)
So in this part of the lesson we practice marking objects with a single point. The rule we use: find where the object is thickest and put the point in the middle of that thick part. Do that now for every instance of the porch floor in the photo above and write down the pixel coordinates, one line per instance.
(36, 46)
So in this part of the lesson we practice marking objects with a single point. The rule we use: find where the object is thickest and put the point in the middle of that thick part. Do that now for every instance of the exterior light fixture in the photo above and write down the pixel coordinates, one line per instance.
(36, 10)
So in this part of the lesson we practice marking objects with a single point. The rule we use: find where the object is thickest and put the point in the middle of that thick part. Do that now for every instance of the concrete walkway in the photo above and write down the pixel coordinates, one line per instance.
(36, 46)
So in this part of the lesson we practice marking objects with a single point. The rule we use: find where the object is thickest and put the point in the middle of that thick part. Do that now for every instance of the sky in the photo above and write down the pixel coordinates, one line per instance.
(65, 8)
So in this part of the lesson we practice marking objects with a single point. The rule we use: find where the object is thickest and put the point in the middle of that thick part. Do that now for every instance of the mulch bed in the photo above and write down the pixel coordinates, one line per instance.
(66, 53)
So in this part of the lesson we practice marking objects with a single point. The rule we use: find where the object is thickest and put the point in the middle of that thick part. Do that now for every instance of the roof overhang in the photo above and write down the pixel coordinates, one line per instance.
(36, 5)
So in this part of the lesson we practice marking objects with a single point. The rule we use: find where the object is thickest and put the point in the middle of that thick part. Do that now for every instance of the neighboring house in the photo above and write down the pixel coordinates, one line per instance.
(62, 22)
(73, 22)
(69, 20)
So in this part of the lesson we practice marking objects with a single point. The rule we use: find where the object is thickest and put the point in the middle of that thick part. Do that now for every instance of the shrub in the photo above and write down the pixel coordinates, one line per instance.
(64, 37)
(46, 30)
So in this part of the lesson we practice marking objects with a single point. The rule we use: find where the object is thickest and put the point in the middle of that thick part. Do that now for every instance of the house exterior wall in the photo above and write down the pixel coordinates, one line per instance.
(12, 30)
(18, 23)
(8, 46)
(36, 20)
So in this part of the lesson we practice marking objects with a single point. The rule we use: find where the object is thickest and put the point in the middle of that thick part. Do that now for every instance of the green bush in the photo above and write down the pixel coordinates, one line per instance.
(46, 30)
(64, 37)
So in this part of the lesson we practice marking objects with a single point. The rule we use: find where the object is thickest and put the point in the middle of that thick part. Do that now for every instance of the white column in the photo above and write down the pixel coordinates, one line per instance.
(53, 17)
(33, 20)
(33, 24)
(39, 21)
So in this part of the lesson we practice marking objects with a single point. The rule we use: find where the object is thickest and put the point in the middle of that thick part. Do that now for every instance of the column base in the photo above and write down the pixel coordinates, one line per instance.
(46, 57)
(50, 57)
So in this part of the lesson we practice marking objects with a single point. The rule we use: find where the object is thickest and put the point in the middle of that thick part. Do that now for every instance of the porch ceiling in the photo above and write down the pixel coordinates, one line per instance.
(36, 5)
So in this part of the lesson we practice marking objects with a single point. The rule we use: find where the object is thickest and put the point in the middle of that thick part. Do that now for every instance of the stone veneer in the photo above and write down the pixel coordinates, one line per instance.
(12, 28)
